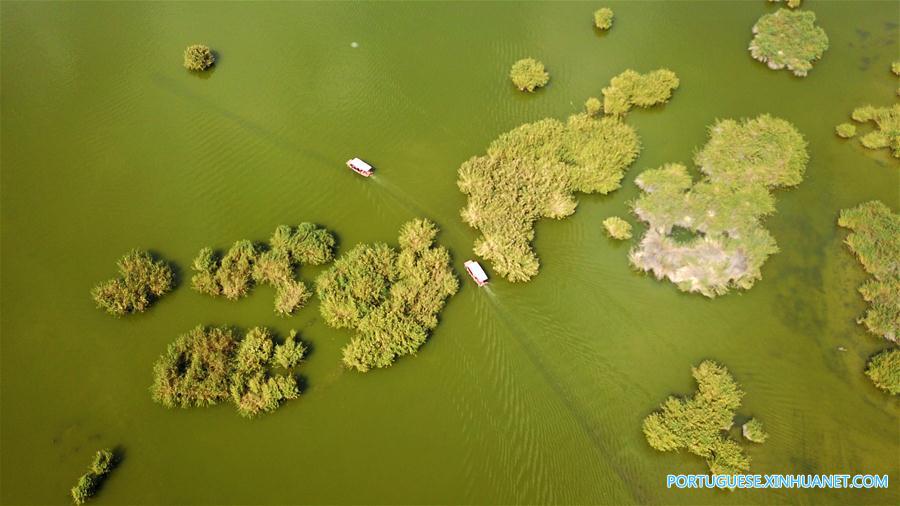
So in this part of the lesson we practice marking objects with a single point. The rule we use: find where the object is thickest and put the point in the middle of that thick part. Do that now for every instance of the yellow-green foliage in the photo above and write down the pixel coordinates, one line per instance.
(793, 4)
(741, 162)
(593, 106)
(876, 242)
(209, 365)
(845, 130)
(753, 431)
(232, 275)
(528, 74)
(700, 423)
(141, 281)
(532, 172)
(198, 57)
(392, 299)
(895, 68)
(788, 39)
(617, 228)
(630, 89)
(884, 370)
(89, 482)
(887, 127)
(603, 18)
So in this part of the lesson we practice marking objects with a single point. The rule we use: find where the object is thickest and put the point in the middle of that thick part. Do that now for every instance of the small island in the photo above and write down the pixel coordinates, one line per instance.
(886, 133)
(789, 39)
(884, 370)
(603, 18)
(88, 484)
(617, 228)
(707, 236)
(700, 424)
(390, 298)
(142, 280)
(875, 240)
(233, 274)
(632, 89)
(209, 365)
(845, 130)
(529, 74)
(198, 58)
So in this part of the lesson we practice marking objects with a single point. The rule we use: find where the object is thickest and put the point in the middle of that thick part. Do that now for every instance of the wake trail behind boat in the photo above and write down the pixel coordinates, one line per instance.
(406, 201)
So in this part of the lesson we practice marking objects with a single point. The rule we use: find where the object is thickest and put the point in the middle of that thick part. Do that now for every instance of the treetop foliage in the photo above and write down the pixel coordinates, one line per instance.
(142, 280)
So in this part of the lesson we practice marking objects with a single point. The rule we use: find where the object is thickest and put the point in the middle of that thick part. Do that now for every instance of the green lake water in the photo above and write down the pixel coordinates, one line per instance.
(529, 393)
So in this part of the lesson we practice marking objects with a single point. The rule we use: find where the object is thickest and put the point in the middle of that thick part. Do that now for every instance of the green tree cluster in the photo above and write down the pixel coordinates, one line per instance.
(232, 275)
(603, 18)
(89, 482)
(789, 39)
(142, 280)
(875, 240)
(630, 89)
(884, 370)
(198, 57)
(529, 74)
(741, 163)
(617, 228)
(699, 424)
(209, 365)
(754, 432)
(390, 298)
(532, 172)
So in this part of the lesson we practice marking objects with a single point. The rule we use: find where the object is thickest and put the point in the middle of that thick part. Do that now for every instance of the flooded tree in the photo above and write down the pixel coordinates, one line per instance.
(788, 39)
(390, 298)
(89, 482)
(884, 370)
(632, 89)
(198, 57)
(700, 423)
(233, 275)
(529, 74)
(617, 228)
(741, 162)
(210, 365)
(142, 280)
(603, 18)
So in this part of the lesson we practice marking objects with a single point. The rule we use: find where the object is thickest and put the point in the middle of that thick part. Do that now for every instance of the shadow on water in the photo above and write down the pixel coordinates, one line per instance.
(524, 339)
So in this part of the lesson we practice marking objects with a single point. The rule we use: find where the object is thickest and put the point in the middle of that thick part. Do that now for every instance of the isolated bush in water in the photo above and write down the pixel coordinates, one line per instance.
(617, 228)
(232, 276)
(875, 240)
(845, 130)
(529, 74)
(89, 482)
(390, 298)
(198, 57)
(700, 423)
(884, 370)
(741, 162)
(753, 431)
(141, 281)
(603, 18)
(209, 365)
(887, 127)
(788, 39)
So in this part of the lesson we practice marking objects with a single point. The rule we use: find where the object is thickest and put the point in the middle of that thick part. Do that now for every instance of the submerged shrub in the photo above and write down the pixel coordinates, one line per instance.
(198, 57)
(875, 240)
(845, 130)
(753, 431)
(232, 276)
(741, 162)
(630, 89)
(699, 424)
(89, 482)
(390, 298)
(142, 280)
(617, 228)
(603, 18)
(593, 106)
(528, 74)
(884, 370)
(788, 39)
(793, 4)
(209, 365)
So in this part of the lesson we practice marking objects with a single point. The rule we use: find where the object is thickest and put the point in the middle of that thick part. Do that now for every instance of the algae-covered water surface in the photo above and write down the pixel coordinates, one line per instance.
(524, 392)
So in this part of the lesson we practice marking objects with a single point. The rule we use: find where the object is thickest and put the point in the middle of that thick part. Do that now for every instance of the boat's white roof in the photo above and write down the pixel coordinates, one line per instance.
(356, 162)
(476, 269)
